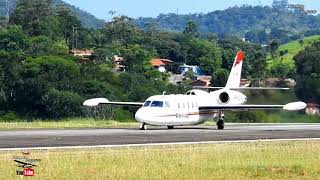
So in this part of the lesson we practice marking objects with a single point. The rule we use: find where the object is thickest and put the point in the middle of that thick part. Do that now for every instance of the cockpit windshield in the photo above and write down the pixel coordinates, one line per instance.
(147, 103)
(157, 104)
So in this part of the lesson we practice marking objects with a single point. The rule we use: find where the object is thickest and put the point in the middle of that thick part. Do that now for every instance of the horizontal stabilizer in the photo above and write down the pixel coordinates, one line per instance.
(295, 106)
(104, 101)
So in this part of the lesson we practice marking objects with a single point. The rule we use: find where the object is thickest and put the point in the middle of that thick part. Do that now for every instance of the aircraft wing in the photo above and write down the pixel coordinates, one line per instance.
(103, 101)
(295, 106)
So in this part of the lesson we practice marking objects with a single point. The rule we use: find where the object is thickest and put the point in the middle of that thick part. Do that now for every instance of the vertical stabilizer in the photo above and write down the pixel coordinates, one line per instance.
(235, 74)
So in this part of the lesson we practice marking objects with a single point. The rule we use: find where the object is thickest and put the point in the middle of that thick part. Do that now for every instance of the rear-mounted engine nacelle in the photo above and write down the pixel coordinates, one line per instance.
(224, 98)
(231, 97)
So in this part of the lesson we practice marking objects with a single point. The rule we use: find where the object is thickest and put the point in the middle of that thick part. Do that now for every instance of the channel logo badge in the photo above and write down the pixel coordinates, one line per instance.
(28, 172)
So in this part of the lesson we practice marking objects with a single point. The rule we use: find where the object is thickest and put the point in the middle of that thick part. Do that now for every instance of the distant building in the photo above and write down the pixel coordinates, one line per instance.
(200, 82)
(245, 83)
(196, 70)
(161, 64)
(85, 54)
(274, 82)
(312, 109)
(176, 79)
(290, 82)
(118, 63)
(203, 81)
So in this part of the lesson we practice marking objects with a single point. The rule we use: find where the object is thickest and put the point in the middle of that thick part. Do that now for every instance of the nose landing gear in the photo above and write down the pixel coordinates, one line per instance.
(142, 126)
(220, 122)
(170, 127)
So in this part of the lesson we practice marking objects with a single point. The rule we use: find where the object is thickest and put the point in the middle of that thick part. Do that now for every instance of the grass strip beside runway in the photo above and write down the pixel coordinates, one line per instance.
(261, 160)
(66, 124)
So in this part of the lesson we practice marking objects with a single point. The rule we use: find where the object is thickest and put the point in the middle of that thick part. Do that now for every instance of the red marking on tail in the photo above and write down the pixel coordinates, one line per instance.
(239, 58)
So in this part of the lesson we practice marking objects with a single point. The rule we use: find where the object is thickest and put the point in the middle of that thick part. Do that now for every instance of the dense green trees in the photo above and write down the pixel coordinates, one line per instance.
(33, 16)
(259, 24)
(308, 71)
(191, 29)
(205, 54)
(121, 30)
(87, 20)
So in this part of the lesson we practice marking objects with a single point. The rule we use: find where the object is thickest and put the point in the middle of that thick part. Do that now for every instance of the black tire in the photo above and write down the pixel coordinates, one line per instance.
(170, 127)
(220, 124)
(142, 126)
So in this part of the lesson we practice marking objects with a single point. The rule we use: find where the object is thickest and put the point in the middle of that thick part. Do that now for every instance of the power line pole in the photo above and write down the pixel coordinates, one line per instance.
(77, 36)
(73, 36)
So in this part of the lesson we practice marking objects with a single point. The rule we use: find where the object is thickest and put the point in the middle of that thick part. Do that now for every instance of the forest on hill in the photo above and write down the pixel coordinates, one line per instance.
(87, 19)
(40, 79)
(259, 24)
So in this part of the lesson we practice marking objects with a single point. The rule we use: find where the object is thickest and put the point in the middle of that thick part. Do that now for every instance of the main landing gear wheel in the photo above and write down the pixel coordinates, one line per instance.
(142, 126)
(220, 124)
(170, 127)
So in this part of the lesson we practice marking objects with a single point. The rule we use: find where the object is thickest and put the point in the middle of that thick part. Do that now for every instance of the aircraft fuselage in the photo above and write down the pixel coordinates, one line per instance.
(183, 109)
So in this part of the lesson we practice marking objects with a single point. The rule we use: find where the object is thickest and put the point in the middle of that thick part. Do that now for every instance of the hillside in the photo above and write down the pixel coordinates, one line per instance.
(292, 49)
(258, 24)
(87, 19)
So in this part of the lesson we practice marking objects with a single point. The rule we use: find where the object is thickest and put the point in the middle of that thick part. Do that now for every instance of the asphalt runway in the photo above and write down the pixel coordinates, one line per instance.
(94, 137)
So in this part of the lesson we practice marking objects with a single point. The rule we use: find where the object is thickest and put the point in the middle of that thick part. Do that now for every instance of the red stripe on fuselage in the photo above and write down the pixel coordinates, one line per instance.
(189, 114)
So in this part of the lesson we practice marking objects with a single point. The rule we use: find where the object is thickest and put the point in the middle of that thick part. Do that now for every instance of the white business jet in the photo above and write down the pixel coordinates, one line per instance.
(196, 106)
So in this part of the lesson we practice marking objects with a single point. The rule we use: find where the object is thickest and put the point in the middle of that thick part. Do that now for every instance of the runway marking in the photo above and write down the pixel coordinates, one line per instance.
(156, 144)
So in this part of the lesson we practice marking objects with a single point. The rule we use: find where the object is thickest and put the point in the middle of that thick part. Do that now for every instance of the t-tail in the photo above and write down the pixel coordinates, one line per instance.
(234, 79)
(235, 74)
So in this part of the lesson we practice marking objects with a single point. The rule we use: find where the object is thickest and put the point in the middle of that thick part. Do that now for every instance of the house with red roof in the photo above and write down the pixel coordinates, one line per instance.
(161, 64)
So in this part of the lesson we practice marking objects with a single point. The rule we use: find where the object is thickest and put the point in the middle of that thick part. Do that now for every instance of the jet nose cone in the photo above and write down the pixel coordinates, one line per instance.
(139, 115)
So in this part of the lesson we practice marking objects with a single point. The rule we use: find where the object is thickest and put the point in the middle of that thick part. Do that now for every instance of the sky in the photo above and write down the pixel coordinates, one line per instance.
(152, 8)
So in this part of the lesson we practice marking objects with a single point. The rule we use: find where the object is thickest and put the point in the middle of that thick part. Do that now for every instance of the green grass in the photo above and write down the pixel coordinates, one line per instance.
(261, 160)
(260, 117)
(66, 124)
(291, 117)
(293, 48)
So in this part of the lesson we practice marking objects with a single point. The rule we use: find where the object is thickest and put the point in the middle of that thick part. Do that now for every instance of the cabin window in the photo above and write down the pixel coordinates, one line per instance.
(192, 105)
(157, 104)
(178, 105)
(167, 104)
(147, 103)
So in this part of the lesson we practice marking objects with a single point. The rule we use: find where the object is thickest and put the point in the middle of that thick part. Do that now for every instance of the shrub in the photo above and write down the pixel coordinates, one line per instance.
(123, 115)
(10, 116)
